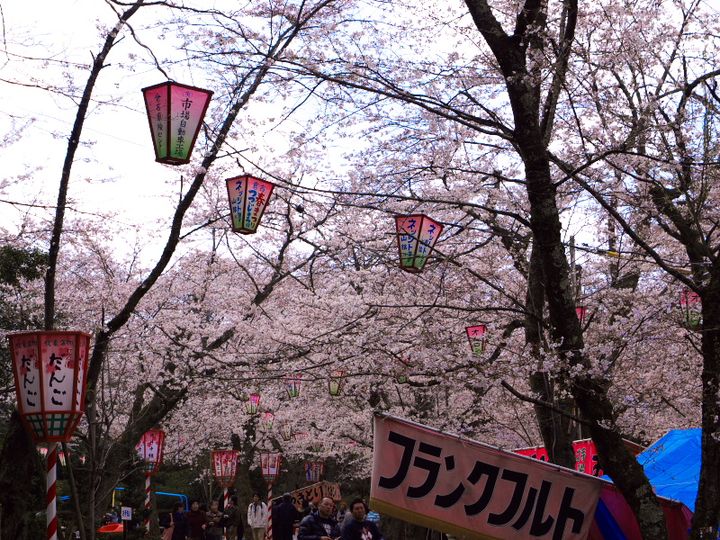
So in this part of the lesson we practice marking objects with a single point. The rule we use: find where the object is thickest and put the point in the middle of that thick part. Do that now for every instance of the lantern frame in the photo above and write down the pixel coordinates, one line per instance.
(225, 466)
(243, 205)
(166, 123)
(253, 403)
(270, 463)
(690, 301)
(410, 244)
(151, 463)
(28, 350)
(476, 338)
(336, 383)
(292, 385)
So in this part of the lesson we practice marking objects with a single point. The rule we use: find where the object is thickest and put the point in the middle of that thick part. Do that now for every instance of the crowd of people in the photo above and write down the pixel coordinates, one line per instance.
(326, 522)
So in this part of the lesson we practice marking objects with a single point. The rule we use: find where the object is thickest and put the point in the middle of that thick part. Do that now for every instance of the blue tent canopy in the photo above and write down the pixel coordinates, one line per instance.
(672, 464)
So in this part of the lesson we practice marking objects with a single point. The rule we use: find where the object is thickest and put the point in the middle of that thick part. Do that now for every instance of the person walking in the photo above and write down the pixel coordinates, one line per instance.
(360, 528)
(257, 517)
(285, 515)
(215, 530)
(196, 522)
(320, 525)
(179, 522)
(235, 530)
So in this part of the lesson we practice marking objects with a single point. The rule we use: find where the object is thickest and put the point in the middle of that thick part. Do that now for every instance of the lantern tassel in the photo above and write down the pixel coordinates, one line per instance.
(51, 498)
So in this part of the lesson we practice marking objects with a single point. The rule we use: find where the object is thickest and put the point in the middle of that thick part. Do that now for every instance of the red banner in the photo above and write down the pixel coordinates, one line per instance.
(466, 488)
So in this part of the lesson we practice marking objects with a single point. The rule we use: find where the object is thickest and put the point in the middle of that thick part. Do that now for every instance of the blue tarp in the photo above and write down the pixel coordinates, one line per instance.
(672, 464)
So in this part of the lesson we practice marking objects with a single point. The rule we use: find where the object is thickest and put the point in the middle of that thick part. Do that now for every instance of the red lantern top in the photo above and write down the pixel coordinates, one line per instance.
(476, 337)
(416, 236)
(248, 198)
(581, 312)
(270, 465)
(50, 370)
(150, 450)
(225, 466)
(175, 112)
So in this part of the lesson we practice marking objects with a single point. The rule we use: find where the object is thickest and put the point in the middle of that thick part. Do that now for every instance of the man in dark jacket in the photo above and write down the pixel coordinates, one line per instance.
(284, 517)
(360, 528)
(320, 525)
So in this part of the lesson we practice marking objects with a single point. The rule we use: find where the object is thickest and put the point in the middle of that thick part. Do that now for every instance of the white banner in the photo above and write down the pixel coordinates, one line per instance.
(463, 487)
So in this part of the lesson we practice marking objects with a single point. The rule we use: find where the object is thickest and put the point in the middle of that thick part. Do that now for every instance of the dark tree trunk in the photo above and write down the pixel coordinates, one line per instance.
(18, 465)
(554, 427)
(707, 505)
(523, 87)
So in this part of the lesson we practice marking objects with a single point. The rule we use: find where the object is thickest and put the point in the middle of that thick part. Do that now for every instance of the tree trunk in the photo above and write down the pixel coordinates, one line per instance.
(553, 426)
(707, 505)
(18, 465)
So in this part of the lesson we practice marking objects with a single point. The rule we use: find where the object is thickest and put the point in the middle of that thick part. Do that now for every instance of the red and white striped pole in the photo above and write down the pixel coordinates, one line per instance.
(226, 498)
(51, 493)
(268, 532)
(147, 502)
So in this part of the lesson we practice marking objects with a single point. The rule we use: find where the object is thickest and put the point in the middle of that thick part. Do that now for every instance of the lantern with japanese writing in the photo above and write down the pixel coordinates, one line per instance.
(150, 450)
(335, 383)
(416, 236)
(225, 466)
(270, 465)
(476, 337)
(175, 112)
(691, 307)
(253, 403)
(50, 370)
(314, 470)
(267, 419)
(248, 198)
(292, 385)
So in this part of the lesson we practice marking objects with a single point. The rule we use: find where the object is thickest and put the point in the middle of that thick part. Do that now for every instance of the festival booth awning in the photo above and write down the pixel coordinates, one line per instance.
(455, 485)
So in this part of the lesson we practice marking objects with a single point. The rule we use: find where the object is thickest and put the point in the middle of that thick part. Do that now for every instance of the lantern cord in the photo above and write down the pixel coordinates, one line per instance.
(149, 50)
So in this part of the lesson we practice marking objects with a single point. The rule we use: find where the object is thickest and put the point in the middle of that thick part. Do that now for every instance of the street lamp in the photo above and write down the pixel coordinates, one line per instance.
(50, 374)
(248, 198)
(476, 337)
(270, 465)
(175, 112)
(150, 451)
(416, 236)
(253, 403)
(225, 470)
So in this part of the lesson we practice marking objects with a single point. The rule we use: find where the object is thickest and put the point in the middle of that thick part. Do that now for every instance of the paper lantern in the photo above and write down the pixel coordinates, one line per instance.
(50, 371)
(270, 465)
(335, 383)
(581, 312)
(476, 337)
(248, 198)
(253, 403)
(175, 112)
(314, 470)
(691, 307)
(225, 466)
(150, 450)
(268, 419)
(292, 385)
(416, 236)
(286, 431)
